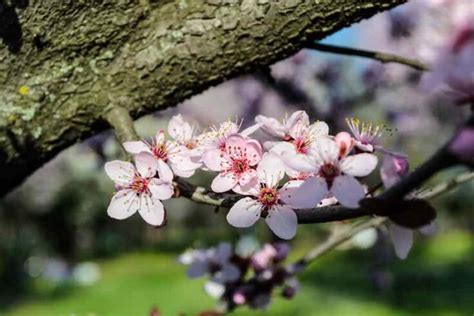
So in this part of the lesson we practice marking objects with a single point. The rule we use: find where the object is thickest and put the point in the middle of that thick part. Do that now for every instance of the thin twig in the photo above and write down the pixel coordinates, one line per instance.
(339, 238)
(382, 57)
(446, 186)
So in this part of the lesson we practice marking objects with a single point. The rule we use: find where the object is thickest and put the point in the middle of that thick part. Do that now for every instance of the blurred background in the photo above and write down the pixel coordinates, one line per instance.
(61, 255)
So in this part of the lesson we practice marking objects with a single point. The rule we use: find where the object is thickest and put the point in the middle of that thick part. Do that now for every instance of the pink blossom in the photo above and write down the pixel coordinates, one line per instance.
(166, 151)
(275, 205)
(283, 129)
(239, 298)
(139, 189)
(366, 135)
(394, 167)
(453, 72)
(333, 174)
(262, 258)
(235, 163)
(302, 138)
(189, 147)
(216, 138)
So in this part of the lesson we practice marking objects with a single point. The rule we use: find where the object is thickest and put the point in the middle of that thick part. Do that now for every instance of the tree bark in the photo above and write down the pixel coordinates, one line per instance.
(73, 61)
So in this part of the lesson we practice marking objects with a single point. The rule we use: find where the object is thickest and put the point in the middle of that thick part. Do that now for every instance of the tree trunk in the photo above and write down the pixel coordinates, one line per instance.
(65, 64)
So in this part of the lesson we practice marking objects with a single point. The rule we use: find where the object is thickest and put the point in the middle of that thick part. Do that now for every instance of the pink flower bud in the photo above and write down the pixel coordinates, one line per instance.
(394, 167)
(239, 298)
(345, 143)
(462, 144)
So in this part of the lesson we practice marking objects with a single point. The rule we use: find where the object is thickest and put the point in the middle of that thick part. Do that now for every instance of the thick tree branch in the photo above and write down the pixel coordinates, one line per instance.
(379, 56)
(79, 57)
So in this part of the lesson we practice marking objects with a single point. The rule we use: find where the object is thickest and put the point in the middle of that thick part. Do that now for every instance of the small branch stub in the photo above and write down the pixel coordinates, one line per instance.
(119, 118)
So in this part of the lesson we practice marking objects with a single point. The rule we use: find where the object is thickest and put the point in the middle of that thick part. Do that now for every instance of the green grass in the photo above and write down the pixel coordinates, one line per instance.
(437, 279)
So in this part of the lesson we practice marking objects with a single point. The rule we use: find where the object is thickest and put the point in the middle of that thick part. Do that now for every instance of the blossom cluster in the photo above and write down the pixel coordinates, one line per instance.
(237, 280)
(302, 167)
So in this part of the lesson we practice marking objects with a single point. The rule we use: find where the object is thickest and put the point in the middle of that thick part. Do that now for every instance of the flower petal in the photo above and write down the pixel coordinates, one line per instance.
(252, 188)
(244, 213)
(345, 143)
(146, 164)
(184, 161)
(359, 165)
(247, 178)
(182, 173)
(179, 129)
(136, 147)
(282, 221)
(270, 170)
(300, 163)
(151, 210)
(251, 129)
(348, 191)
(304, 193)
(280, 148)
(429, 229)
(123, 204)
(164, 171)
(121, 172)
(402, 239)
(235, 140)
(319, 129)
(254, 151)
(213, 159)
(160, 189)
(224, 182)
(297, 116)
(326, 149)
(271, 126)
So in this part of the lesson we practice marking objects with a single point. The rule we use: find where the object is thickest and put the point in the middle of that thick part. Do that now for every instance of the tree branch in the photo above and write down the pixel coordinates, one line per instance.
(439, 161)
(79, 57)
(379, 56)
(340, 237)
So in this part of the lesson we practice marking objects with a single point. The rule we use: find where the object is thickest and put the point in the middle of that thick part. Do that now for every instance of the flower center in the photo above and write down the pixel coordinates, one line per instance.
(268, 197)
(191, 144)
(301, 145)
(240, 165)
(160, 152)
(329, 171)
(139, 185)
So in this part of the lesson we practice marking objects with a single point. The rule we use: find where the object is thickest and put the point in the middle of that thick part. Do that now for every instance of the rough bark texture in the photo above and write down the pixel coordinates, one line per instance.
(81, 58)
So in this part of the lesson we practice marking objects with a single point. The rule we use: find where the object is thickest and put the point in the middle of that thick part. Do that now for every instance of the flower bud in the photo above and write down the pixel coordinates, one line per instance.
(394, 167)
(239, 298)
(462, 145)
